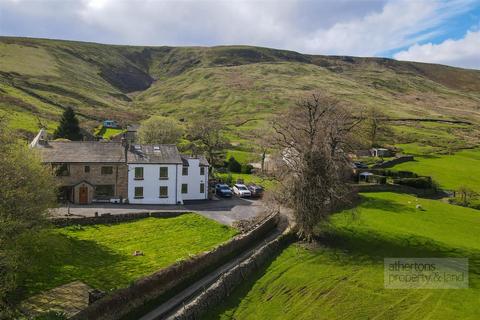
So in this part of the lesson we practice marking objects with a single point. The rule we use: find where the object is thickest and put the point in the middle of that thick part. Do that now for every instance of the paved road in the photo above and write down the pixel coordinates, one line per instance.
(225, 211)
(167, 309)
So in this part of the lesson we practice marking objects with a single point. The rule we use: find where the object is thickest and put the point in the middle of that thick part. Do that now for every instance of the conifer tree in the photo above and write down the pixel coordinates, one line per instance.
(68, 127)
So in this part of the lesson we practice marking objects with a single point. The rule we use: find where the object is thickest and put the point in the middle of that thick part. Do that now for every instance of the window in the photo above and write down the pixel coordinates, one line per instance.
(87, 169)
(103, 192)
(202, 171)
(62, 170)
(184, 188)
(163, 192)
(139, 173)
(202, 187)
(138, 192)
(107, 170)
(185, 171)
(163, 173)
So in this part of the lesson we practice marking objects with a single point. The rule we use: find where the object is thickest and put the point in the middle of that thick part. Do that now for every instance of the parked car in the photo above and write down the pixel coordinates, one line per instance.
(360, 165)
(241, 190)
(255, 191)
(223, 190)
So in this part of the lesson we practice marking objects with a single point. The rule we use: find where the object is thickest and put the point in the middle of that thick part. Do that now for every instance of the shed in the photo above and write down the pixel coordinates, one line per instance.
(110, 124)
(364, 176)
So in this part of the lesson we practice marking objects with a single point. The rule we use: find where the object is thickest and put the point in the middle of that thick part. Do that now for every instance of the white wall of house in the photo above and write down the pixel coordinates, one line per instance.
(193, 181)
(151, 184)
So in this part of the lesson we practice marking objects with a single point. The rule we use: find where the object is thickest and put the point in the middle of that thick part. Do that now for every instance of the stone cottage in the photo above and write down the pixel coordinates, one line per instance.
(112, 171)
(86, 171)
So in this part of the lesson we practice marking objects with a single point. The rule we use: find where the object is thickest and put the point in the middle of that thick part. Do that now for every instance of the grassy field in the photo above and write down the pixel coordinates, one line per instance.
(101, 255)
(451, 171)
(107, 133)
(243, 157)
(343, 278)
(248, 178)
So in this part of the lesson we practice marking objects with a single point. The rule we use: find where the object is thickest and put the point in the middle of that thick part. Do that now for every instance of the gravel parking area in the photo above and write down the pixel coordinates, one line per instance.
(225, 211)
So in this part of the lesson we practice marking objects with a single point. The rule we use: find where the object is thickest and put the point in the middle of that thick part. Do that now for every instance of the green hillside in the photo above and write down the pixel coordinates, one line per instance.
(242, 85)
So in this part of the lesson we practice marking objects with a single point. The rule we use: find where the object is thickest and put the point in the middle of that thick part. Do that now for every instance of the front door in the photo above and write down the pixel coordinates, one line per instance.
(83, 195)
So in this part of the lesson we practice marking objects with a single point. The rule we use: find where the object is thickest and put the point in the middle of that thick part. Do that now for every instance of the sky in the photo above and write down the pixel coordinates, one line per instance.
(446, 32)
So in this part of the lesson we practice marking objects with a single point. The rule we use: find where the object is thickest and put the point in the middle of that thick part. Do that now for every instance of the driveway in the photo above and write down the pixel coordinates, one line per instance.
(225, 211)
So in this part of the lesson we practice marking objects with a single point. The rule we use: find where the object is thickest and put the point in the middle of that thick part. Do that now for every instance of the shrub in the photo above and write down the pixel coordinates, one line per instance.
(247, 168)
(234, 166)
(399, 174)
(419, 183)
(377, 179)
(229, 179)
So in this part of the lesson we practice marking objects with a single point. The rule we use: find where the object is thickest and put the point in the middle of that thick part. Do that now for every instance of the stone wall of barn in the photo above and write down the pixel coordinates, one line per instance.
(92, 173)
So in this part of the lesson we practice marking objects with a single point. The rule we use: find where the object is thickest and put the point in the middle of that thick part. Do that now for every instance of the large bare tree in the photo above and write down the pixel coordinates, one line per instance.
(312, 139)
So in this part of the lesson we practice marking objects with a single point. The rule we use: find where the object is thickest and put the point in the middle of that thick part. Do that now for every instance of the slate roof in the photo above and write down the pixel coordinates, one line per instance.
(111, 152)
(165, 154)
(82, 151)
(202, 160)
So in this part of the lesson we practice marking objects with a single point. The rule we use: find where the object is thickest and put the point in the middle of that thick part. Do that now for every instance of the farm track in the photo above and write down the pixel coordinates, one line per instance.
(167, 309)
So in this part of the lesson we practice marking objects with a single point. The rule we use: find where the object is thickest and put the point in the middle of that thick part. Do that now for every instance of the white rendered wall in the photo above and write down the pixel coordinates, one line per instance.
(151, 184)
(193, 180)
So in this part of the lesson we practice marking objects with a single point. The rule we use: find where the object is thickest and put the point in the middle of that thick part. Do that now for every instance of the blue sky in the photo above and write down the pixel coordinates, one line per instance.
(446, 32)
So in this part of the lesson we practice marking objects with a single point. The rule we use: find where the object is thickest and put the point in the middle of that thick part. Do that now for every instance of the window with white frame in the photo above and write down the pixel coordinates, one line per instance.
(163, 192)
(163, 173)
(138, 193)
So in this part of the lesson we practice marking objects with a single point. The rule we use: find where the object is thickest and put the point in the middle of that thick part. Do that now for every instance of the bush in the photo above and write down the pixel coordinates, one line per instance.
(419, 183)
(377, 179)
(234, 166)
(247, 168)
(399, 174)
(229, 179)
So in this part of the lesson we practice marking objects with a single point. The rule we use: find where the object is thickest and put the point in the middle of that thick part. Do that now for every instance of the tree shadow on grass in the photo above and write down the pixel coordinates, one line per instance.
(385, 204)
(55, 259)
(369, 247)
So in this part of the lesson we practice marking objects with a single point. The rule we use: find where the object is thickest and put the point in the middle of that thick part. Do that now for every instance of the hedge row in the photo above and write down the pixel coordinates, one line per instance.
(419, 183)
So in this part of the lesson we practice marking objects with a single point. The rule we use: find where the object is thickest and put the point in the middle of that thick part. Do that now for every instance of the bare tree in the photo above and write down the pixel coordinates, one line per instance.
(261, 138)
(376, 126)
(312, 139)
(206, 136)
(466, 196)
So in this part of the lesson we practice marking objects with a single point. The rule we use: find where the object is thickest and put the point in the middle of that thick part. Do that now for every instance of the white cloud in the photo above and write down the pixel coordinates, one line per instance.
(464, 52)
(343, 27)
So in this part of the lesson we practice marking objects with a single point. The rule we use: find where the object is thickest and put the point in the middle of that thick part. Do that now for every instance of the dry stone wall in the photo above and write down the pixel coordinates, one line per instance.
(113, 218)
(228, 282)
(169, 280)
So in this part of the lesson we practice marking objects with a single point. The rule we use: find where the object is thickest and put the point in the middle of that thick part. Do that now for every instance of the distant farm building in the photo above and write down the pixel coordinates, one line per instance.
(110, 124)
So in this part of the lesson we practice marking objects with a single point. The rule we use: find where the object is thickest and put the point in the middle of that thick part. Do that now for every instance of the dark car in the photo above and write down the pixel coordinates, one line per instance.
(360, 165)
(256, 191)
(223, 190)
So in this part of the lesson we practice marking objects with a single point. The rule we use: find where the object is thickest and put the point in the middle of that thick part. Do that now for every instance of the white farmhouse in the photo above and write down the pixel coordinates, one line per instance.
(159, 174)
